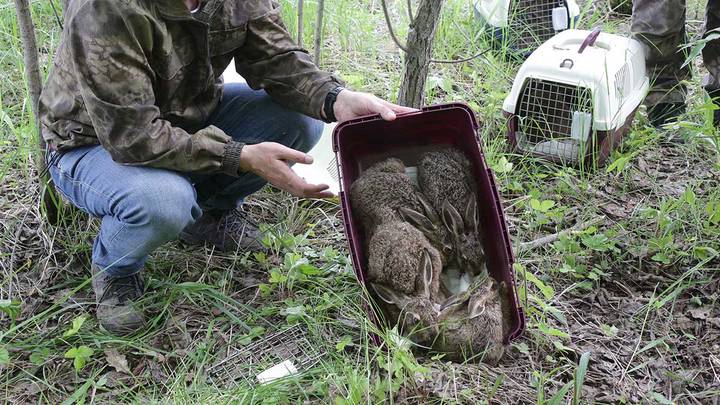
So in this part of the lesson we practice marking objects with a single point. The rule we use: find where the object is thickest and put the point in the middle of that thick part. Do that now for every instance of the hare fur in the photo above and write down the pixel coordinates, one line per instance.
(378, 193)
(473, 327)
(398, 257)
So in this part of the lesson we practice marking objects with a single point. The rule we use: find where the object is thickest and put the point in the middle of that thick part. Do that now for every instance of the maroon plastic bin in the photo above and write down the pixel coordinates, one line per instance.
(363, 141)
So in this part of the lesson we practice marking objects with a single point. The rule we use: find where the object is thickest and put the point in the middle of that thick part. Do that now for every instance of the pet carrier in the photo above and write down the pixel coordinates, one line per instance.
(361, 142)
(525, 24)
(575, 97)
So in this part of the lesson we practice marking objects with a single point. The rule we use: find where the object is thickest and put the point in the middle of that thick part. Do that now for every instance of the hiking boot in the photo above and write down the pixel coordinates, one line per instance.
(664, 113)
(115, 297)
(228, 231)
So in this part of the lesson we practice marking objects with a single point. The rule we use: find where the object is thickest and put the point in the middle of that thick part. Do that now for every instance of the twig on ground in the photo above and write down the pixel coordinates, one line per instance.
(525, 246)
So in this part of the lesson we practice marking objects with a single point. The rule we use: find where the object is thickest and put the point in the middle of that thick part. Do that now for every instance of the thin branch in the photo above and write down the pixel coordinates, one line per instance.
(409, 10)
(390, 27)
(469, 58)
(57, 16)
(552, 238)
(404, 48)
(319, 30)
(49, 199)
(300, 23)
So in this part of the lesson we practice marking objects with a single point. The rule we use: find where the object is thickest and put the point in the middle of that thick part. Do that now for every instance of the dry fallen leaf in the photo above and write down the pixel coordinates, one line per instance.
(117, 361)
(700, 313)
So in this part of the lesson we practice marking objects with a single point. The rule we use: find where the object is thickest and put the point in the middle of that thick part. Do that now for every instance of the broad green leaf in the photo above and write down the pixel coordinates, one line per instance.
(559, 397)
(276, 277)
(343, 343)
(713, 212)
(4, 356)
(547, 291)
(609, 330)
(653, 344)
(309, 270)
(522, 347)
(80, 355)
(77, 323)
(696, 47)
(689, 196)
(704, 252)
(580, 373)
(661, 257)
(79, 363)
(11, 308)
(40, 357)
(660, 399)
(550, 331)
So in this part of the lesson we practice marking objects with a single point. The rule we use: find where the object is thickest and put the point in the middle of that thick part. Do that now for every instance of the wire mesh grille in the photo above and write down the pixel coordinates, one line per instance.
(332, 168)
(531, 22)
(554, 119)
(243, 364)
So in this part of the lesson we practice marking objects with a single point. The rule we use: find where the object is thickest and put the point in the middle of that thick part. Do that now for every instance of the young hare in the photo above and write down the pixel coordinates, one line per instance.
(446, 175)
(471, 324)
(378, 193)
(415, 315)
(446, 180)
(401, 257)
(456, 238)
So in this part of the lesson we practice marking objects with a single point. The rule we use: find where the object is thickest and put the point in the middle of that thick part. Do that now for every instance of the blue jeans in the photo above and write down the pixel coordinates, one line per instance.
(144, 207)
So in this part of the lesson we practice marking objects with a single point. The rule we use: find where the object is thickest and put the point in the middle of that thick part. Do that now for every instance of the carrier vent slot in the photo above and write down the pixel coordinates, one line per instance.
(554, 119)
(622, 78)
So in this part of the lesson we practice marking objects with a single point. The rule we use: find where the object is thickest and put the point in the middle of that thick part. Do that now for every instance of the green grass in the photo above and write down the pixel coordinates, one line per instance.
(623, 311)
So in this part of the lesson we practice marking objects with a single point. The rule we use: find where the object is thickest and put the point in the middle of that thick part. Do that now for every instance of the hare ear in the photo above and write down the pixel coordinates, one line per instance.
(428, 208)
(391, 296)
(418, 220)
(452, 302)
(427, 271)
(472, 215)
(386, 294)
(452, 219)
(476, 307)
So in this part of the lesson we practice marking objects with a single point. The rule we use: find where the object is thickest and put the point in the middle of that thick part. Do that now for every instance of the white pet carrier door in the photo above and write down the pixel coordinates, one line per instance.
(525, 24)
(554, 119)
(533, 22)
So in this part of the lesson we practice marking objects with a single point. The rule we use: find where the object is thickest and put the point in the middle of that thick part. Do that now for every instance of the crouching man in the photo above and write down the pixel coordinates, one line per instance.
(145, 135)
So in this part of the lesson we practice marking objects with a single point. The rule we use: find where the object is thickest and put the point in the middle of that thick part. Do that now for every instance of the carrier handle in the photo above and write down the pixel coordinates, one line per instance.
(567, 63)
(590, 40)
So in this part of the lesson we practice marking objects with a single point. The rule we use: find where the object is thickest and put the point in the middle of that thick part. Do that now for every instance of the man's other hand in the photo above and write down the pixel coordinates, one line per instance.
(352, 104)
(271, 160)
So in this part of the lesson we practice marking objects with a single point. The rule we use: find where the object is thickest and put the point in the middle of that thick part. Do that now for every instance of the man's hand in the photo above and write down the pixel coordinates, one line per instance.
(269, 160)
(352, 104)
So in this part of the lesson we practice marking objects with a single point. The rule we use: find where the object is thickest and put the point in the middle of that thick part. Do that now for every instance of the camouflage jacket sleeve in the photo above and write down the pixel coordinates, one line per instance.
(270, 60)
(116, 84)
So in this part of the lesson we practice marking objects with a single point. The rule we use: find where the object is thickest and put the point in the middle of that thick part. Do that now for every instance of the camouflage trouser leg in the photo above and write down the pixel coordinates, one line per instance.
(660, 24)
(711, 52)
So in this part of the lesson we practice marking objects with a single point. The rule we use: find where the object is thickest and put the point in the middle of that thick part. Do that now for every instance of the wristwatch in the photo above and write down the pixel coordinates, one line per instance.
(329, 106)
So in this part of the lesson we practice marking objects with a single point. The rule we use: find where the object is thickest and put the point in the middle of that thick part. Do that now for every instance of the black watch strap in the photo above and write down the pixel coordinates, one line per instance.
(329, 106)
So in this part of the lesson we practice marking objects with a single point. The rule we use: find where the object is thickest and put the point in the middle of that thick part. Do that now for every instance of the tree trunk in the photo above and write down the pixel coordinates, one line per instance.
(419, 53)
(319, 30)
(49, 198)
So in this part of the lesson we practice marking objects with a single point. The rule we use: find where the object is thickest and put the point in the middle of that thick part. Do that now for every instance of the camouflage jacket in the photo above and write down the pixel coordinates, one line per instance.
(137, 76)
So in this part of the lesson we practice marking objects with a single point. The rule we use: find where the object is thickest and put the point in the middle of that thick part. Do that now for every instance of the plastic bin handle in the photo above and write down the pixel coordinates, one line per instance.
(589, 40)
